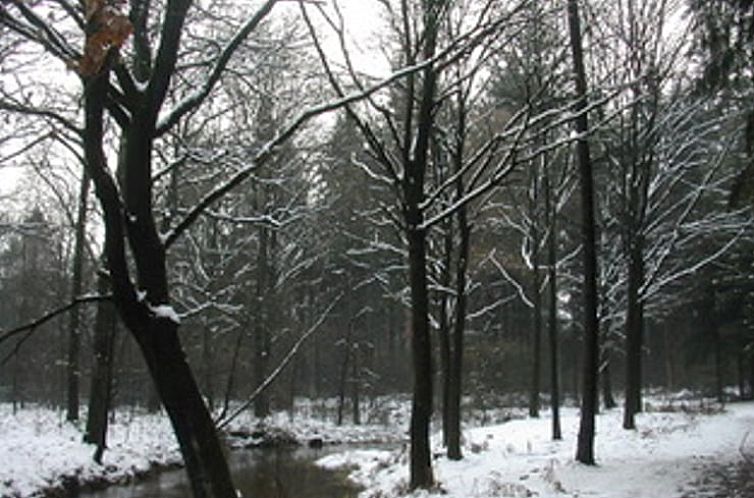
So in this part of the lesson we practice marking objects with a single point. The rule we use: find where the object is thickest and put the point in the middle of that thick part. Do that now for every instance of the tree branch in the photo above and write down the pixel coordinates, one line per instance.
(281, 366)
(197, 98)
(33, 325)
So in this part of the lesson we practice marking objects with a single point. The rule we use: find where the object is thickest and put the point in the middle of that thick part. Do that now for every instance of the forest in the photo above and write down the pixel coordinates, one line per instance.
(219, 214)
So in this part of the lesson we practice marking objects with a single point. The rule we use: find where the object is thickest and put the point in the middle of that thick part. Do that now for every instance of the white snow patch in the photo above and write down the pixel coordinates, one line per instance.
(165, 311)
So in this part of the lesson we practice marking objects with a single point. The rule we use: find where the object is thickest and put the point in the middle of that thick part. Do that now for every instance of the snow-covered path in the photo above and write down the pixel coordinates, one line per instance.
(661, 459)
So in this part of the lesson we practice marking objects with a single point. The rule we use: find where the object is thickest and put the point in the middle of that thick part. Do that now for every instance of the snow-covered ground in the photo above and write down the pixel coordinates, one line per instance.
(663, 458)
(41, 452)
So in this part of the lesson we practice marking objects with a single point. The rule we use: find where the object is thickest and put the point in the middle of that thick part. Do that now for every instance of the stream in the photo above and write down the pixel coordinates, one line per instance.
(257, 473)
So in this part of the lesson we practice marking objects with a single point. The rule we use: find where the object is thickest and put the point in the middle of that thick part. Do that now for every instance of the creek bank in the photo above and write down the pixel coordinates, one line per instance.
(73, 484)
(275, 437)
(238, 440)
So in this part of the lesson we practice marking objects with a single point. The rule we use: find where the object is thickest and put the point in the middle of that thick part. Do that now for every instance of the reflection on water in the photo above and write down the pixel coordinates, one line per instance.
(263, 473)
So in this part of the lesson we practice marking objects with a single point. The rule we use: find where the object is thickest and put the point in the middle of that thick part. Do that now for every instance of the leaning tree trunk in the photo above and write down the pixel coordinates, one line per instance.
(130, 228)
(585, 448)
(191, 421)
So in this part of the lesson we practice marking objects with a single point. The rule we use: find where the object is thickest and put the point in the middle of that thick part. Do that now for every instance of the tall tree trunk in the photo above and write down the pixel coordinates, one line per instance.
(261, 325)
(100, 393)
(536, 363)
(415, 163)
(207, 366)
(421, 403)
(552, 308)
(585, 448)
(607, 383)
(344, 367)
(444, 329)
(230, 383)
(719, 382)
(455, 384)
(356, 387)
(77, 285)
(536, 311)
(669, 357)
(455, 388)
(634, 339)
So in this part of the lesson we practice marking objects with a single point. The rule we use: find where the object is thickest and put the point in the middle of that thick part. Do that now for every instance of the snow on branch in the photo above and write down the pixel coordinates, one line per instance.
(268, 150)
(515, 283)
(195, 99)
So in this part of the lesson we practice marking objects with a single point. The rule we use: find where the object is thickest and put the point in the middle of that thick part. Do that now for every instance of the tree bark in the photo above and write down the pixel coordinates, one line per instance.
(585, 447)
(344, 367)
(105, 323)
(455, 390)
(552, 309)
(421, 403)
(356, 387)
(200, 445)
(129, 217)
(444, 330)
(77, 285)
(261, 327)
(536, 296)
(415, 163)
(607, 385)
(634, 339)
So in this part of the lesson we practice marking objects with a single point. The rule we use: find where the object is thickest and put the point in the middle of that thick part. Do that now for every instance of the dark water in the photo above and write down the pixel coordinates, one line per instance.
(263, 473)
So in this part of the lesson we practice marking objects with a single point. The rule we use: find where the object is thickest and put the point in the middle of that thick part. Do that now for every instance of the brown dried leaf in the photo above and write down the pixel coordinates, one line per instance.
(112, 30)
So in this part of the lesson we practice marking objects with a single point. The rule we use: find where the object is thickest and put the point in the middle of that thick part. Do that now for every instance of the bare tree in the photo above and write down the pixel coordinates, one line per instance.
(585, 447)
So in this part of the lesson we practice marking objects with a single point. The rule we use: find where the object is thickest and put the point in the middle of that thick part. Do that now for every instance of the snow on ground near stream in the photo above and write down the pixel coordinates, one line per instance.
(40, 451)
(661, 459)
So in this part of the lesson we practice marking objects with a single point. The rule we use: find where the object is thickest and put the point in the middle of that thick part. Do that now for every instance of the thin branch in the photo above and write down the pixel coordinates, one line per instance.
(32, 326)
(281, 366)
(267, 151)
(197, 98)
